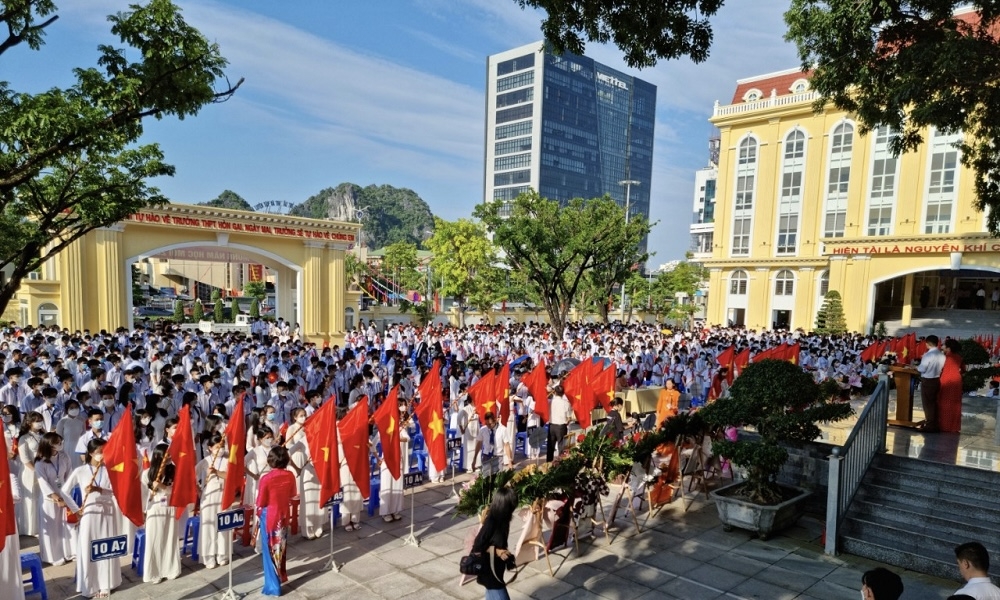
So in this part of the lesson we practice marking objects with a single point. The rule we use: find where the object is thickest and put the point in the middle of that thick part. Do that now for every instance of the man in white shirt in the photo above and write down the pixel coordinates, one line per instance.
(494, 444)
(974, 565)
(930, 367)
(560, 411)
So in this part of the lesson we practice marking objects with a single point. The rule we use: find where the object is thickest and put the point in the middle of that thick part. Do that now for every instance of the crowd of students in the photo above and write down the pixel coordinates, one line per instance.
(63, 393)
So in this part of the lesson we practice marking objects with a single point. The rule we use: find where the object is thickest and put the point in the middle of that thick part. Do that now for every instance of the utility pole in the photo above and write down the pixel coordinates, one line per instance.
(628, 183)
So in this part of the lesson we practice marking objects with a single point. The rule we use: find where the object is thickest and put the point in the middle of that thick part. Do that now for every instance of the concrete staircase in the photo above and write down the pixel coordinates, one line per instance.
(960, 323)
(911, 514)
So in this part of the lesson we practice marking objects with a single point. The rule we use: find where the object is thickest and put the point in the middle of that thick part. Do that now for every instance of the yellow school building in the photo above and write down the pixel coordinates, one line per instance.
(806, 204)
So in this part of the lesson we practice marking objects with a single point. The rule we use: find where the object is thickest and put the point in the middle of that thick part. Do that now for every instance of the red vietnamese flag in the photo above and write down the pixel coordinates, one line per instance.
(604, 387)
(742, 359)
(537, 382)
(484, 396)
(792, 353)
(353, 429)
(321, 437)
(429, 413)
(236, 439)
(762, 355)
(8, 524)
(122, 461)
(387, 422)
(869, 353)
(726, 357)
(579, 394)
(181, 452)
(501, 392)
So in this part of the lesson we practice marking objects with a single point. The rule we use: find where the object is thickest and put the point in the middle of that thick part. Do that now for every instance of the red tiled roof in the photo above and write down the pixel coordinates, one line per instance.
(781, 82)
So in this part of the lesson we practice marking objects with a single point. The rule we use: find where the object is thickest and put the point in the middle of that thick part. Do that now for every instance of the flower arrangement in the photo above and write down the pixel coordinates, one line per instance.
(590, 464)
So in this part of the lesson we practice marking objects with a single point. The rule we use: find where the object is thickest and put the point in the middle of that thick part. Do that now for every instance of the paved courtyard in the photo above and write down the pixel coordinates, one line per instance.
(683, 555)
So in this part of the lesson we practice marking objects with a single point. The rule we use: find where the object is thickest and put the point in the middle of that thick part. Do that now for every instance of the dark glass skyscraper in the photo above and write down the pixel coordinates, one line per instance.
(568, 127)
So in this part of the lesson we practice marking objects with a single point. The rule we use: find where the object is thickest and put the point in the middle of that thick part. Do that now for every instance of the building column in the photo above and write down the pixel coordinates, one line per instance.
(312, 291)
(112, 310)
(337, 279)
(70, 276)
(805, 300)
(760, 318)
(717, 294)
(907, 300)
(284, 299)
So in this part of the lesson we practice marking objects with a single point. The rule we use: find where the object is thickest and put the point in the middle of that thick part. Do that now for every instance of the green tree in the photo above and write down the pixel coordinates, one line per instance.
(198, 311)
(354, 268)
(645, 31)
(218, 311)
(255, 289)
(229, 199)
(71, 160)
(830, 318)
(554, 246)
(603, 279)
(178, 311)
(138, 298)
(255, 308)
(910, 65)
(399, 264)
(464, 259)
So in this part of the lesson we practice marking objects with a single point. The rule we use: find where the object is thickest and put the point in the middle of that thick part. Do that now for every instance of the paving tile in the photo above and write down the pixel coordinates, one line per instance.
(716, 577)
(689, 590)
(755, 589)
(615, 588)
(787, 578)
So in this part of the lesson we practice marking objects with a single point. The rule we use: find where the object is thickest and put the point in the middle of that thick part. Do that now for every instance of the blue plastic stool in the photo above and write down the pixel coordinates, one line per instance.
(192, 531)
(30, 560)
(521, 443)
(373, 502)
(139, 551)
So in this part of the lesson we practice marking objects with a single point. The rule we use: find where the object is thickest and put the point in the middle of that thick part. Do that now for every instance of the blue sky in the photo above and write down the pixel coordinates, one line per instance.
(392, 92)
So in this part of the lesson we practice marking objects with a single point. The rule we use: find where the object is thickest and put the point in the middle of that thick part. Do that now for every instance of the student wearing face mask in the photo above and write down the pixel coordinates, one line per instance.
(52, 468)
(11, 418)
(390, 495)
(95, 430)
(256, 467)
(271, 420)
(51, 412)
(32, 428)
(311, 513)
(98, 520)
(71, 426)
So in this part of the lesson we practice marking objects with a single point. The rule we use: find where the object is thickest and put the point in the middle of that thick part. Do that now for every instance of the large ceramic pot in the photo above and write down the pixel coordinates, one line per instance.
(762, 519)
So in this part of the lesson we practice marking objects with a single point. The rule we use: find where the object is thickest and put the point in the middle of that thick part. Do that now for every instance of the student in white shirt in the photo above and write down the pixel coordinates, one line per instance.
(974, 565)
(495, 446)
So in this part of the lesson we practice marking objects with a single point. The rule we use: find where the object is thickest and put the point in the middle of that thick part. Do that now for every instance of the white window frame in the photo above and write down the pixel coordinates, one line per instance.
(787, 287)
(743, 212)
(753, 95)
(941, 143)
(837, 203)
(742, 277)
(791, 209)
(881, 151)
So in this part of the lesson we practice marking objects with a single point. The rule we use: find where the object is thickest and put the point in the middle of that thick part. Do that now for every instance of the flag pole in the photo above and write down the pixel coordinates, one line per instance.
(411, 540)
(332, 565)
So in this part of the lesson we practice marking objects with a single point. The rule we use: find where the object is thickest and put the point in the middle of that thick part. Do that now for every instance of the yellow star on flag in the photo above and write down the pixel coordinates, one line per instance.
(232, 455)
(119, 468)
(436, 426)
(392, 425)
(489, 406)
(326, 453)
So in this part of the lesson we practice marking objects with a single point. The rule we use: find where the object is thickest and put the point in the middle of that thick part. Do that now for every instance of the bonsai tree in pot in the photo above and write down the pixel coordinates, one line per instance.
(783, 404)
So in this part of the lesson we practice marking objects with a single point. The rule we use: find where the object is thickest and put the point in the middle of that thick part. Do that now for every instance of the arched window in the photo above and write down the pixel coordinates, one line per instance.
(838, 180)
(348, 319)
(746, 175)
(824, 284)
(738, 283)
(784, 283)
(753, 95)
(790, 199)
(799, 87)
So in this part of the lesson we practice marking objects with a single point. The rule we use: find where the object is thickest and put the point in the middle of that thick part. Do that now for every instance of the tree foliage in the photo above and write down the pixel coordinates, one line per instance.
(198, 311)
(228, 199)
(783, 404)
(830, 318)
(70, 160)
(391, 214)
(645, 30)
(911, 65)
(399, 263)
(255, 289)
(465, 262)
(599, 284)
(554, 246)
(178, 311)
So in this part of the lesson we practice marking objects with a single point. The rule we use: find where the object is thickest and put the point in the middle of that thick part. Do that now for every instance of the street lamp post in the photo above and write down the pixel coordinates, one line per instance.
(628, 183)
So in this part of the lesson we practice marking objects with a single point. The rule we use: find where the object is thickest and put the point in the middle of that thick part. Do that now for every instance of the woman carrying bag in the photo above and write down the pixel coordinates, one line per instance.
(491, 544)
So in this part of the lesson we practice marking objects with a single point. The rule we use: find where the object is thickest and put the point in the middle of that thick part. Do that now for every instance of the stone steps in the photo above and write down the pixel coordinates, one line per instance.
(911, 514)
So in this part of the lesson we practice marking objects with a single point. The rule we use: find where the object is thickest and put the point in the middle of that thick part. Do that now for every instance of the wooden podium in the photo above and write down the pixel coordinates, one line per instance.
(903, 376)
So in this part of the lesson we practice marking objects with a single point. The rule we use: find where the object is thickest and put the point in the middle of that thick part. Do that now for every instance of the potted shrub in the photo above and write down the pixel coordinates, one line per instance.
(782, 403)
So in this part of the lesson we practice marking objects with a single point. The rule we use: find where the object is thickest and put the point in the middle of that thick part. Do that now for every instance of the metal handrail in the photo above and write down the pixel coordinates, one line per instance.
(850, 462)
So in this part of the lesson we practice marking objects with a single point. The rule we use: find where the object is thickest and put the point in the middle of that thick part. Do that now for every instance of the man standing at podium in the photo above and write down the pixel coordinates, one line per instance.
(930, 367)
